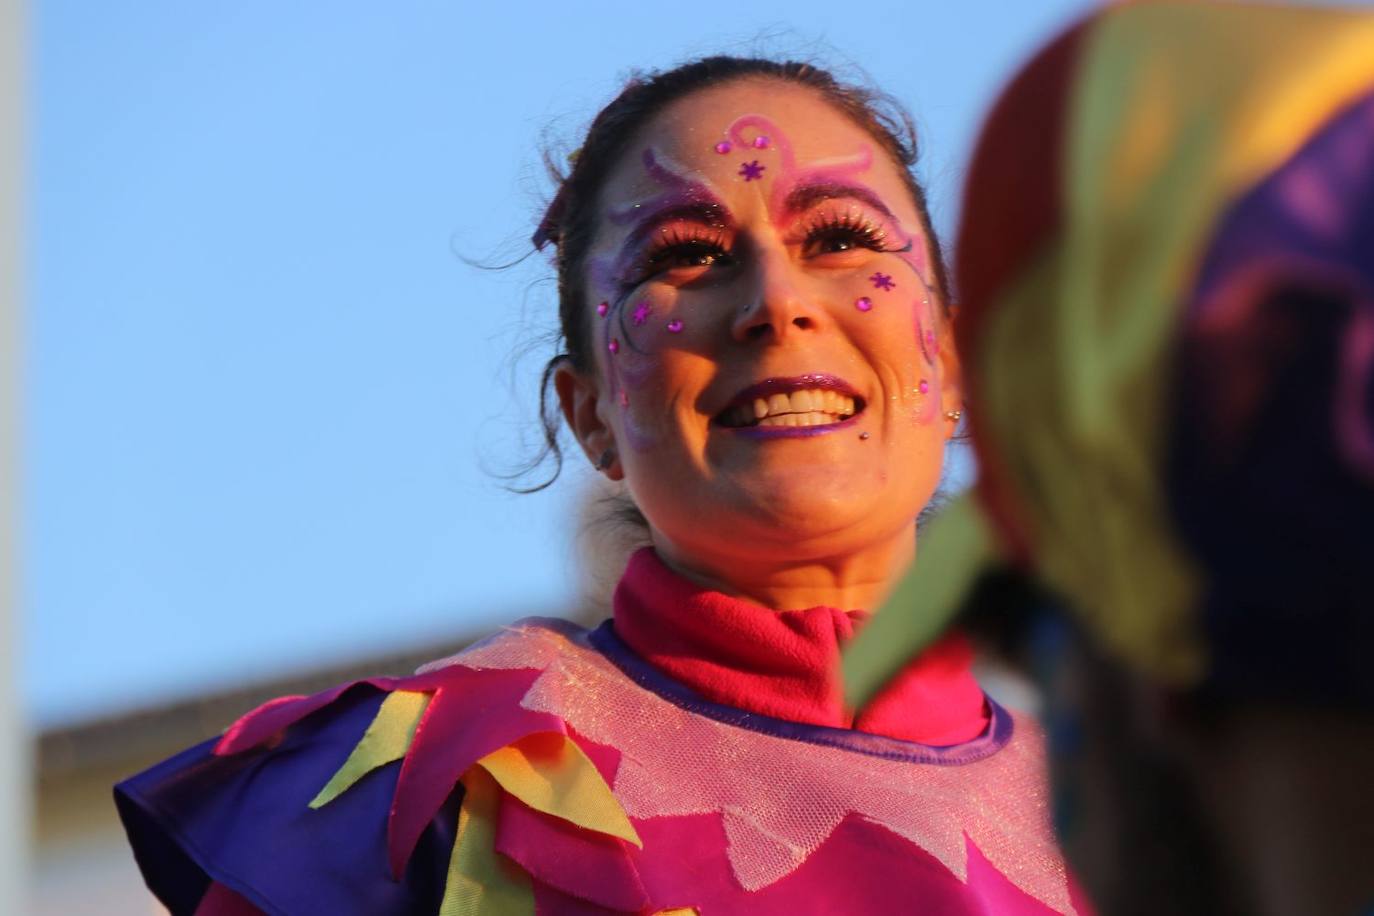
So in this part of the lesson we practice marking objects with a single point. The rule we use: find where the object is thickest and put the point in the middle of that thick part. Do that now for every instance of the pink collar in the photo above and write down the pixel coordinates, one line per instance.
(785, 664)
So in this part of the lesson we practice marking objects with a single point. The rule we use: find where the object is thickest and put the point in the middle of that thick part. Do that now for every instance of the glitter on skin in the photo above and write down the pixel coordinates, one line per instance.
(882, 281)
(790, 180)
(863, 303)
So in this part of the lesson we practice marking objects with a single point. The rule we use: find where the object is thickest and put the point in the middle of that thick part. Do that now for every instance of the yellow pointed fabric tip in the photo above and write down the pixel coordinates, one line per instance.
(386, 739)
(480, 879)
(550, 773)
(952, 553)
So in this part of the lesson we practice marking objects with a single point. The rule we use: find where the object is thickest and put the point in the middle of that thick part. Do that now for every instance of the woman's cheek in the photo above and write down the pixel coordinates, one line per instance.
(635, 334)
(907, 321)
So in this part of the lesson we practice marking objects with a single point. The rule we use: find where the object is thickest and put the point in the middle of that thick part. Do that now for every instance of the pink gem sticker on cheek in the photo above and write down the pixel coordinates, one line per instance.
(613, 346)
(723, 147)
(761, 142)
(863, 303)
(603, 308)
(924, 387)
(930, 339)
(675, 326)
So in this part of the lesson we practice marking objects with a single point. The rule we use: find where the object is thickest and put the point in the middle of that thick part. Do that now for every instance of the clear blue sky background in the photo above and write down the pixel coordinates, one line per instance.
(260, 387)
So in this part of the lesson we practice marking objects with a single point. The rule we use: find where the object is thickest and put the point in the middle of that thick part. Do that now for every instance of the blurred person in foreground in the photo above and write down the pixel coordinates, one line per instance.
(755, 340)
(1166, 271)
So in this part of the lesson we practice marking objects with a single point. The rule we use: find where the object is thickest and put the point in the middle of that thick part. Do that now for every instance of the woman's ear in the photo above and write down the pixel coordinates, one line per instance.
(579, 396)
(951, 378)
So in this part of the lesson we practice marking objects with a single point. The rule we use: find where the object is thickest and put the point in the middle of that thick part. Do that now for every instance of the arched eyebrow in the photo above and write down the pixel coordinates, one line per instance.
(805, 196)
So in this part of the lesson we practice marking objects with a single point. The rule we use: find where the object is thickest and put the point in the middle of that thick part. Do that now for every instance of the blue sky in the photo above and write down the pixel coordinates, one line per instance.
(261, 389)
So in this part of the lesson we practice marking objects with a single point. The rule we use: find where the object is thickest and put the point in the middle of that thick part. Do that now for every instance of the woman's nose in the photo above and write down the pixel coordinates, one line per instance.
(777, 304)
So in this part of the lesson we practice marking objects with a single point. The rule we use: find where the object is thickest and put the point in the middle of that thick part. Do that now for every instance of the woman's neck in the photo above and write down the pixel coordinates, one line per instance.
(778, 579)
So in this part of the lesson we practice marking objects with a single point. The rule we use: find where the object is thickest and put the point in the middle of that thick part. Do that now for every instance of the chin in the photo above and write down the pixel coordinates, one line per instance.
(816, 515)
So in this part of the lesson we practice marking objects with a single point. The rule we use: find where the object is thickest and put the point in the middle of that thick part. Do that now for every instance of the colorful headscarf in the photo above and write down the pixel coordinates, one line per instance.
(1166, 272)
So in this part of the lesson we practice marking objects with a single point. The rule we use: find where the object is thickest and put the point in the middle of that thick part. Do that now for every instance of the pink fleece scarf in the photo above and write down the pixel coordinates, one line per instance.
(785, 664)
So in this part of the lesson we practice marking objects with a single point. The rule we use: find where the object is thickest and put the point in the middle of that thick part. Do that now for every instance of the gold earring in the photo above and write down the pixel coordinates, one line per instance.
(954, 415)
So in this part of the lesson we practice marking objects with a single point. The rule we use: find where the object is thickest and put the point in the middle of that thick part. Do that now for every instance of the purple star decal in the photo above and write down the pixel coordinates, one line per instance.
(882, 281)
(641, 313)
(751, 171)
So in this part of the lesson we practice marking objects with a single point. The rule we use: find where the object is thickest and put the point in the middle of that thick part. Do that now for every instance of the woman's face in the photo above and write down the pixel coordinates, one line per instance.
(771, 367)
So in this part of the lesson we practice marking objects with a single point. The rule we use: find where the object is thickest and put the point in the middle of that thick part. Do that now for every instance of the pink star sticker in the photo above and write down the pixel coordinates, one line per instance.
(882, 281)
(751, 171)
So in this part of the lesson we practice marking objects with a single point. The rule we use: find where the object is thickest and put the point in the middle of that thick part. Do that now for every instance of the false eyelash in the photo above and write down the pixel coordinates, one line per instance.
(869, 233)
(669, 240)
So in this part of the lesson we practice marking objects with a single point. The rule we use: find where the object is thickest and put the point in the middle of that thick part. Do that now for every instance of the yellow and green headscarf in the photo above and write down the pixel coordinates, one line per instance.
(1166, 275)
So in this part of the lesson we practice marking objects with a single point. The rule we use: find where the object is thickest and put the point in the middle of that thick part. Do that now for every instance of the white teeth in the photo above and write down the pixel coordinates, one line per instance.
(809, 407)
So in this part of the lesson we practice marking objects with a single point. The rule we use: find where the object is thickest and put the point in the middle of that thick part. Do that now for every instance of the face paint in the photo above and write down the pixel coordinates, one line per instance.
(749, 129)
(678, 190)
(882, 281)
(681, 196)
(752, 171)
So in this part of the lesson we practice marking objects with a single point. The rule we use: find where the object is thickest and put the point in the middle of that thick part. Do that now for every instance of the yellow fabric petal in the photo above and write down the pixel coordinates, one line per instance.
(1177, 109)
(952, 552)
(480, 879)
(550, 773)
(679, 911)
(386, 739)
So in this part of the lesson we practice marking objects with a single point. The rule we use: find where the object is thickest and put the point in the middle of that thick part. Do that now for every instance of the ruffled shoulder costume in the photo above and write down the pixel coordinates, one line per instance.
(692, 755)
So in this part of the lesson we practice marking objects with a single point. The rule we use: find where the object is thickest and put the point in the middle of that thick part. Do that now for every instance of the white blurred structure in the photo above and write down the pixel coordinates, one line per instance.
(14, 744)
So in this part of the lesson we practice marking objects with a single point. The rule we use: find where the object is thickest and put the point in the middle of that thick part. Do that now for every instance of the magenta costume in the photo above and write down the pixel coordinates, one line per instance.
(554, 770)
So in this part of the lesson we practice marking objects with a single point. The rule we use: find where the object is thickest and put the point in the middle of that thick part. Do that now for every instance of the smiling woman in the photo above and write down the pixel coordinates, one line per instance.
(755, 318)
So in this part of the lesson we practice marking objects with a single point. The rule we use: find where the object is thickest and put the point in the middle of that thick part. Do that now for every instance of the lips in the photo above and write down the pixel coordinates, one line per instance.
(799, 402)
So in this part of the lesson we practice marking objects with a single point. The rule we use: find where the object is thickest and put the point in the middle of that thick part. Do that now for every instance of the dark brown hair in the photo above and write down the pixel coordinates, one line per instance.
(571, 219)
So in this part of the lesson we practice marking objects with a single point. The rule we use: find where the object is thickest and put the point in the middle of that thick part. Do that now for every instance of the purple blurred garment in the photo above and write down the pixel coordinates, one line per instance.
(1270, 476)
